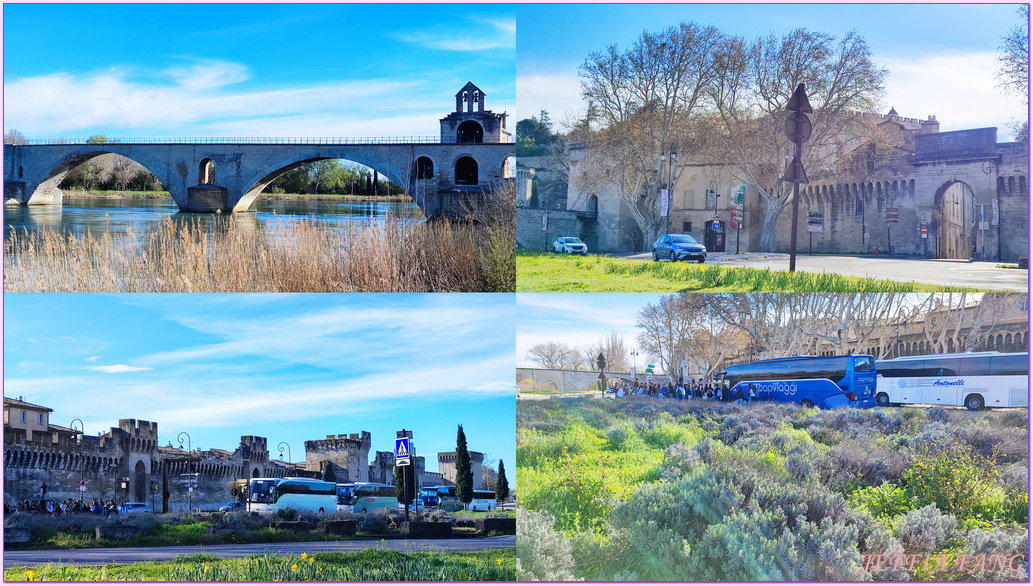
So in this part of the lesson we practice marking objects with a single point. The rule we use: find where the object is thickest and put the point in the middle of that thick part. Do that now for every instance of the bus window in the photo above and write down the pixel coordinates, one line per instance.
(864, 364)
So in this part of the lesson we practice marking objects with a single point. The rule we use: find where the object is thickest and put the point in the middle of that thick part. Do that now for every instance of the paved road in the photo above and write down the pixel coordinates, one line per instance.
(124, 555)
(980, 275)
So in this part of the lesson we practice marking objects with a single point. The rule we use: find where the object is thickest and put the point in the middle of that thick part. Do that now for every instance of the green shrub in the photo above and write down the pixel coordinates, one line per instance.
(885, 500)
(953, 478)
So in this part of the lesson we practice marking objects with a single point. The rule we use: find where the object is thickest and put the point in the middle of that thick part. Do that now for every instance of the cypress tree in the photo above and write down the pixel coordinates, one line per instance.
(501, 484)
(464, 473)
(400, 487)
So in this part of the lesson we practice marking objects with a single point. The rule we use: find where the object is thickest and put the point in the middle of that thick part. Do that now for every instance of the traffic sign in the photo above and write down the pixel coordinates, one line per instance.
(402, 453)
(892, 215)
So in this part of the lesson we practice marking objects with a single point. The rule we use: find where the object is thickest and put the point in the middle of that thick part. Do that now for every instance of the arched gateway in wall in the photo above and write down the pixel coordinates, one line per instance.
(956, 218)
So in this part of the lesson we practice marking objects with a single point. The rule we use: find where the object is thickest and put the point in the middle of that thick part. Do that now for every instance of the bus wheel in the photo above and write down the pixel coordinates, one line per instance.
(806, 403)
(974, 402)
(321, 511)
(882, 400)
(363, 509)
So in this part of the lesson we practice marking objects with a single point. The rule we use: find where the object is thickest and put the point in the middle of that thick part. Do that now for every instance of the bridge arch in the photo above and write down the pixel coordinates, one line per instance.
(50, 172)
(257, 185)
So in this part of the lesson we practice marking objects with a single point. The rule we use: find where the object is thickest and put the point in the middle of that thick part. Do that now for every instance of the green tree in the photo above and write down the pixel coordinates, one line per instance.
(464, 472)
(405, 483)
(501, 484)
(534, 135)
(97, 139)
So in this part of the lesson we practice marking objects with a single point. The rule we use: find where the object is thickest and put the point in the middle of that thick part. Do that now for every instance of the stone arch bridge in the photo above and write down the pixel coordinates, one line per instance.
(206, 175)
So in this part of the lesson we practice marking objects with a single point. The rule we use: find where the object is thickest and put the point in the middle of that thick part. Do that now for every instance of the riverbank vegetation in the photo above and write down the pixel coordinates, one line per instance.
(548, 272)
(645, 490)
(111, 172)
(377, 564)
(295, 255)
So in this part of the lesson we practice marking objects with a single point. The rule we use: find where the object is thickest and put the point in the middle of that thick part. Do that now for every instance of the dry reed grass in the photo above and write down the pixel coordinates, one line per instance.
(298, 256)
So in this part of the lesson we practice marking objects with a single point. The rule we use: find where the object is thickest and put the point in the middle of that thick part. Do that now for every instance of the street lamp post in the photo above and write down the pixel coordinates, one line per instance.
(634, 363)
(190, 478)
(78, 443)
(289, 459)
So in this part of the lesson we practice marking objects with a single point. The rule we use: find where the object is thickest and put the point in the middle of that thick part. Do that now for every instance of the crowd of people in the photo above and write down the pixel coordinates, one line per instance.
(50, 507)
(694, 389)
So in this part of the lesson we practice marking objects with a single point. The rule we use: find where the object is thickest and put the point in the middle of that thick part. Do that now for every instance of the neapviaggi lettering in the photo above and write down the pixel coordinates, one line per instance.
(784, 388)
(940, 562)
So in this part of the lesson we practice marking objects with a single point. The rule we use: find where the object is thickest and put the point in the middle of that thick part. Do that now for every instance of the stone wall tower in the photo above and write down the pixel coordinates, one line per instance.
(347, 451)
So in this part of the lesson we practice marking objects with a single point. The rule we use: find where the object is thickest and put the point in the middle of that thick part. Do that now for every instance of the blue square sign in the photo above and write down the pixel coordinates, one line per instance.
(402, 453)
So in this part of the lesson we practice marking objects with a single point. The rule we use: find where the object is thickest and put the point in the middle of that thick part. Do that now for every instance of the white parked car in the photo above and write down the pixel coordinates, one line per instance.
(570, 245)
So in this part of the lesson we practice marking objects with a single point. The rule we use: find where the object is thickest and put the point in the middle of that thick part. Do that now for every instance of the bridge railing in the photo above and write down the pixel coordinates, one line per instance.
(363, 140)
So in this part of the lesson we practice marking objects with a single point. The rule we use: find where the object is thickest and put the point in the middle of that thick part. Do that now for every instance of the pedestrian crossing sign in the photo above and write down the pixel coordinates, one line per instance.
(402, 453)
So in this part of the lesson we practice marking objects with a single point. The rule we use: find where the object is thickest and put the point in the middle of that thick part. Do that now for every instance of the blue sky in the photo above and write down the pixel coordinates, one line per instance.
(941, 57)
(578, 320)
(288, 368)
(284, 70)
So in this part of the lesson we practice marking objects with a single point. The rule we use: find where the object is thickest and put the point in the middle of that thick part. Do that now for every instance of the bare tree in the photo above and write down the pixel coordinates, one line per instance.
(123, 170)
(614, 350)
(555, 355)
(643, 98)
(951, 322)
(14, 136)
(753, 84)
(1013, 58)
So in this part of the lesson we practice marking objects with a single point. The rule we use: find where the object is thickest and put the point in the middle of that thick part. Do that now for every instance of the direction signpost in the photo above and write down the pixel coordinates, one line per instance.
(798, 129)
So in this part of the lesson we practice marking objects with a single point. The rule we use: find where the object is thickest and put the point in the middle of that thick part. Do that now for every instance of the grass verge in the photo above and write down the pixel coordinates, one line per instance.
(545, 272)
(369, 565)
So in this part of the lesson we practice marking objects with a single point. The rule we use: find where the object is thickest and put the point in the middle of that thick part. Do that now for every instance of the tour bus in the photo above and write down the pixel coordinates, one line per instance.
(430, 496)
(811, 381)
(973, 379)
(371, 496)
(308, 494)
(483, 500)
(344, 497)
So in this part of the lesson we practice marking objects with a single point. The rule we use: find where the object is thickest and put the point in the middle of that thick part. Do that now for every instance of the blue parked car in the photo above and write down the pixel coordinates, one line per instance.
(679, 247)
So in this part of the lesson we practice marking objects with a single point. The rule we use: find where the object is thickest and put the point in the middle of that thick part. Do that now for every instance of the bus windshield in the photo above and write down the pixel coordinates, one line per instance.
(261, 491)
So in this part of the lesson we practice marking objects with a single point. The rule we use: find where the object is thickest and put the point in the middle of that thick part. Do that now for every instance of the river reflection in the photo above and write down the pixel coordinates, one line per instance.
(116, 216)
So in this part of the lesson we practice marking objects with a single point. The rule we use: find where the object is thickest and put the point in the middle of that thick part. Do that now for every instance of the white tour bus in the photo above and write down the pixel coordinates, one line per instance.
(371, 496)
(307, 494)
(973, 379)
(483, 500)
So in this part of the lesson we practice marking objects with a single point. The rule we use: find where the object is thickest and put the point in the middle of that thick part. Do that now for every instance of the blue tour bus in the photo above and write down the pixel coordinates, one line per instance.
(818, 381)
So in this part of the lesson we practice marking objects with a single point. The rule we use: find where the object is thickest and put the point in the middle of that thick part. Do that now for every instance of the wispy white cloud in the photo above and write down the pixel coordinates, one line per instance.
(208, 74)
(118, 97)
(92, 358)
(117, 368)
(478, 34)
(557, 92)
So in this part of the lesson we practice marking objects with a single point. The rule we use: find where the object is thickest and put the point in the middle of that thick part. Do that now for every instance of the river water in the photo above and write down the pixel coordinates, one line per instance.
(100, 215)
